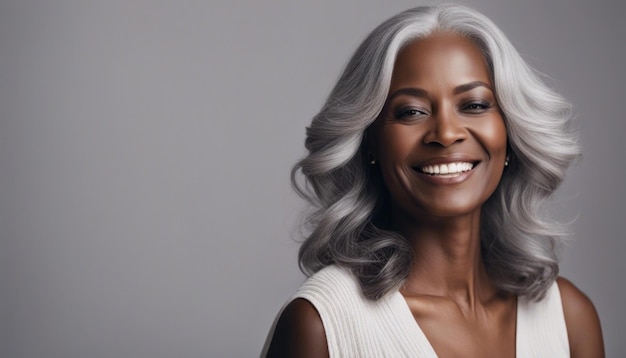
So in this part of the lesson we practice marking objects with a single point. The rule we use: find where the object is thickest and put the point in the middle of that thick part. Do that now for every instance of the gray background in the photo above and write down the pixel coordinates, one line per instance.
(145, 149)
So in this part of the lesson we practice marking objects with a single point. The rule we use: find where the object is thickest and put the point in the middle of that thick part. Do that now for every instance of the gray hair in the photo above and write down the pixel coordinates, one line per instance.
(520, 249)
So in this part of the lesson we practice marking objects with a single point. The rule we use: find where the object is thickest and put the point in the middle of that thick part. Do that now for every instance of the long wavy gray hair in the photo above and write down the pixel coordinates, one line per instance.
(520, 249)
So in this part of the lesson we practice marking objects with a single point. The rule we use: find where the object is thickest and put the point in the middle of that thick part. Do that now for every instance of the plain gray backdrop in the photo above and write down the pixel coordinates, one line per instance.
(145, 149)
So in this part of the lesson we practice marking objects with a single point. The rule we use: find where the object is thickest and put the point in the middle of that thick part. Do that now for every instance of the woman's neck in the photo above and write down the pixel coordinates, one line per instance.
(447, 259)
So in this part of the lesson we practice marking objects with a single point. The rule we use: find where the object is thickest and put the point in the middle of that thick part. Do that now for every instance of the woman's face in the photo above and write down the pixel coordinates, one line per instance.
(440, 141)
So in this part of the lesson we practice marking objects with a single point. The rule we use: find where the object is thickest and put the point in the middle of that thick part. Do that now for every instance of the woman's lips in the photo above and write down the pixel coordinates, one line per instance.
(447, 168)
(446, 173)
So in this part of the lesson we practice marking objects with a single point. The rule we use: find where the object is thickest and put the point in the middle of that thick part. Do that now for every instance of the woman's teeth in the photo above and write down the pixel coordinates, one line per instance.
(450, 168)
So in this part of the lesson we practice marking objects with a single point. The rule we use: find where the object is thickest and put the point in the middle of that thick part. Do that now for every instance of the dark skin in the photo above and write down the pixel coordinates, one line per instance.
(442, 109)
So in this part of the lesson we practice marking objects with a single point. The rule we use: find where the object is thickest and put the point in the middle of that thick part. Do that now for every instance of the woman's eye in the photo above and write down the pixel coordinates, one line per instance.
(408, 113)
(476, 107)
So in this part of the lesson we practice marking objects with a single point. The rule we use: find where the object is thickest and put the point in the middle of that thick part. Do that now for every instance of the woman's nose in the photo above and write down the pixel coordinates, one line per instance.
(446, 128)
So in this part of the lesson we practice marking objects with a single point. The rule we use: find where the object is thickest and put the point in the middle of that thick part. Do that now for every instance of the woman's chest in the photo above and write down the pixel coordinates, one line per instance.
(478, 332)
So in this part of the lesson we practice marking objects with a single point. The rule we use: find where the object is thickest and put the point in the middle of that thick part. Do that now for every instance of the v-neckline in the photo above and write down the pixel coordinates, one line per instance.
(415, 333)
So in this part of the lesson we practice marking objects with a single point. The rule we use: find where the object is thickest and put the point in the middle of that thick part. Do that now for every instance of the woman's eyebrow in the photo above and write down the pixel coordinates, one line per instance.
(415, 92)
(469, 86)
(418, 92)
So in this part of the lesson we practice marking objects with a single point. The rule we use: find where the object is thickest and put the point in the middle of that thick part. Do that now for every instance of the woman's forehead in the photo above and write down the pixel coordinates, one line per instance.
(439, 57)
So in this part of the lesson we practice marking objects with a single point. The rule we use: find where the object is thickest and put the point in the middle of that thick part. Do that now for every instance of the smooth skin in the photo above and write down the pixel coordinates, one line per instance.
(442, 108)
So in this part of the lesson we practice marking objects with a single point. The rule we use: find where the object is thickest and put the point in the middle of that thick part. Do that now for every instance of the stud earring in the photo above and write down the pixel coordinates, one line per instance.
(371, 158)
(506, 161)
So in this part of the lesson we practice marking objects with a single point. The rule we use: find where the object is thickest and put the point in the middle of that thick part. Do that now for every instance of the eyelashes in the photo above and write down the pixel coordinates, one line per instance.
(404, 113)
(476, 106)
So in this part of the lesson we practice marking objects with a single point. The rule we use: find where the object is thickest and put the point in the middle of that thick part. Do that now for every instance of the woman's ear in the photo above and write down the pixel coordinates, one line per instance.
(510, 156)
(371, 145)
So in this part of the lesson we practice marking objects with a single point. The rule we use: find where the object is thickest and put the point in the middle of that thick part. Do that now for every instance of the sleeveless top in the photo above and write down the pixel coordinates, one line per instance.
(359, 327)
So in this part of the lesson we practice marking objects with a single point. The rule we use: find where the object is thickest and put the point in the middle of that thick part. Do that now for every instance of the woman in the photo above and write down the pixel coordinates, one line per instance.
(427, 167)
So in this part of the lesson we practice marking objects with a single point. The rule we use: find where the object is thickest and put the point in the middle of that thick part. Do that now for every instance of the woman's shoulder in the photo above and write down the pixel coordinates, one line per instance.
(329, 313)
(582, 321)
(299, 332)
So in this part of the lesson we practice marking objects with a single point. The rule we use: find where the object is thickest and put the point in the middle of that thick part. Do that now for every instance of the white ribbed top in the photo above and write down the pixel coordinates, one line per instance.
(541, 330)
(358, 327)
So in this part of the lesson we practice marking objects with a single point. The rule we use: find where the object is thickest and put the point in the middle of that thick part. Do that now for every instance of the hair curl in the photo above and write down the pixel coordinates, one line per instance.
(520, 249)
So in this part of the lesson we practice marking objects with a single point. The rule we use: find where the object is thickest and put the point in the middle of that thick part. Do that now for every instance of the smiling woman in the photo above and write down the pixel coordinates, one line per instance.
(427, 167)
(440, 140)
